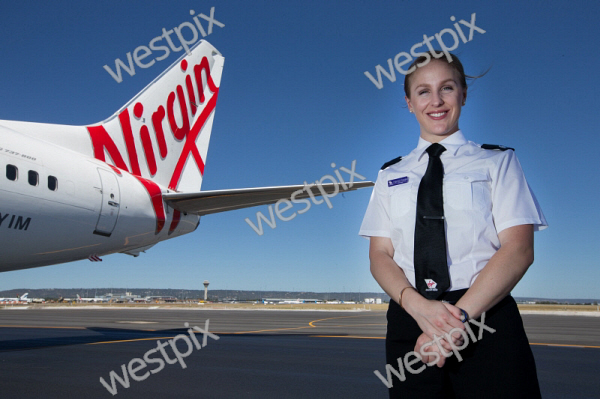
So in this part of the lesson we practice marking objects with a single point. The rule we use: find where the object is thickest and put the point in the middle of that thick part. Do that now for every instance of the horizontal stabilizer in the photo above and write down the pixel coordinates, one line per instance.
(207, 202)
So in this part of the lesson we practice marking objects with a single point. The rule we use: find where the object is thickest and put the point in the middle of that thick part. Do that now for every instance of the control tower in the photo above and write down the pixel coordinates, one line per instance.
(206, 289)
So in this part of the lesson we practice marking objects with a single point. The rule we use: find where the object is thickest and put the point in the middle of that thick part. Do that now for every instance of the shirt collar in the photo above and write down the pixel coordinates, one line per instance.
(452, 144)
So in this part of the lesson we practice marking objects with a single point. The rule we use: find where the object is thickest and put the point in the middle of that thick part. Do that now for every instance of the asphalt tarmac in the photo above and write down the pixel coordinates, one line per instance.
(63, 353)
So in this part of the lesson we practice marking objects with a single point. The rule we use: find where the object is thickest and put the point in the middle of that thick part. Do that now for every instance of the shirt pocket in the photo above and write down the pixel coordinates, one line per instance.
(467, 191)
(400, 197)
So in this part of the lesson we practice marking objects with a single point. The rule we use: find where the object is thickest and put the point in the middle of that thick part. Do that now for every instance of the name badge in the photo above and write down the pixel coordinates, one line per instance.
(400, 180)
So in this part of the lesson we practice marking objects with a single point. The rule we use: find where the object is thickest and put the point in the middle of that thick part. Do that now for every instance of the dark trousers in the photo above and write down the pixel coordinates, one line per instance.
(497, 365)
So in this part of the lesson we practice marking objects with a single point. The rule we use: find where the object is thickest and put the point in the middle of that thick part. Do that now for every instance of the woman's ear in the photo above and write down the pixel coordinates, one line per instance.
(410, 109)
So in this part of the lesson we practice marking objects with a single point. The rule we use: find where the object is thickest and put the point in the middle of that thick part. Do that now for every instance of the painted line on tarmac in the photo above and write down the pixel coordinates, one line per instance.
(352, 325)
(345, 336)
(128, 340)
(566, 345)
(66, 328)
(310, 325)
(267, 330)
(331, 318)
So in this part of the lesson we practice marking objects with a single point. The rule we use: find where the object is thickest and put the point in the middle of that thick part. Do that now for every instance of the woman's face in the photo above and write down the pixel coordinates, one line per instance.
(436, 98)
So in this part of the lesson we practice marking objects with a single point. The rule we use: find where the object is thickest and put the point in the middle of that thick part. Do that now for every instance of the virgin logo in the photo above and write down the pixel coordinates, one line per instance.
(184, 133)
(103, 143)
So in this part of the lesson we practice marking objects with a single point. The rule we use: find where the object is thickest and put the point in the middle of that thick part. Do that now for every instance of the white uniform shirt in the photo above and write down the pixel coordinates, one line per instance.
(485, 192)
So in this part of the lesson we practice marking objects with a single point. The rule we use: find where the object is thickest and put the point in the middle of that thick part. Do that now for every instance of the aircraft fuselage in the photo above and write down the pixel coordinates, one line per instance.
(57, 205)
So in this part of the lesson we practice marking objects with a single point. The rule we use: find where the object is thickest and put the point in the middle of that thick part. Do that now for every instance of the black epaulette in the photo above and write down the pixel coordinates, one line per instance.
(495, 147)
(390, 163)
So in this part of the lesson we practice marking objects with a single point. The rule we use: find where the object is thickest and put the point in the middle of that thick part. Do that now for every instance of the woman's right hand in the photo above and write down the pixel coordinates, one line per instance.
(436, 319)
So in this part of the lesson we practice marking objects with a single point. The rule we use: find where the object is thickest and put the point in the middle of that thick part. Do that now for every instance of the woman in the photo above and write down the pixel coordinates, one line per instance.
(449, 252)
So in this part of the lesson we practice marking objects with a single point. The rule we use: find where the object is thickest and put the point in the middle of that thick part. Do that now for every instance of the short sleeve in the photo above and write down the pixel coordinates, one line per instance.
(513, 201)
(377, 222)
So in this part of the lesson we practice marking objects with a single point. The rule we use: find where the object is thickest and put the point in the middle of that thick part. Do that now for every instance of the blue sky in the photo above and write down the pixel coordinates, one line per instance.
(294, 99)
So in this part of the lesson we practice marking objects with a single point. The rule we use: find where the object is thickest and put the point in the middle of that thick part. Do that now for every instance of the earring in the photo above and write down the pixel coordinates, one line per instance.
(410, 110)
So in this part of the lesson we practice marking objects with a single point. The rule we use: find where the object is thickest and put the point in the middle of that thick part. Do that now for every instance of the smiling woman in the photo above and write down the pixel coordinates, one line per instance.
(435, 96)
(451, 233)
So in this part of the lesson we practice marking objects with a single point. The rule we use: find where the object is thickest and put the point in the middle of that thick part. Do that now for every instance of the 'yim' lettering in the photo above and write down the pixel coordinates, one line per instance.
(15, 222)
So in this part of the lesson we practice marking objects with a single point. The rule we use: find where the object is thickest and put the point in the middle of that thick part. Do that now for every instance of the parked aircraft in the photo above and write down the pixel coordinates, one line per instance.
(21, 299)
(124, 184)
(96, 299)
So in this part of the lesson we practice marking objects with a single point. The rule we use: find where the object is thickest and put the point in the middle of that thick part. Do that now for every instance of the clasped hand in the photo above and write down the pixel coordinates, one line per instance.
(436, 320)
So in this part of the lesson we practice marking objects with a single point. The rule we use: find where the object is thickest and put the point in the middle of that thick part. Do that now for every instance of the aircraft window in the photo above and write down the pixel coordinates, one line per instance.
(11, 172)
(33, 178)
(52, 183)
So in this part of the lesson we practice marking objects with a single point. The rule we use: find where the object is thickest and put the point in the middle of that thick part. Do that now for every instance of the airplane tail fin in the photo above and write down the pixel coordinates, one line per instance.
(24, 297)
(162, 134)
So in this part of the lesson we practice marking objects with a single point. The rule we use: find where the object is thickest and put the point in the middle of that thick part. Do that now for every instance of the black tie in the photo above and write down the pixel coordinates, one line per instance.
(431, 265)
